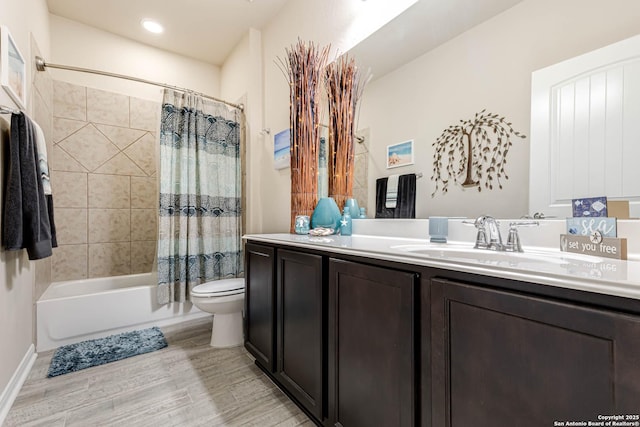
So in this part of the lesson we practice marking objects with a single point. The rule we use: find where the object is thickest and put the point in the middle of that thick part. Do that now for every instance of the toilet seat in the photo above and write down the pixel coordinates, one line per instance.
(219, 288)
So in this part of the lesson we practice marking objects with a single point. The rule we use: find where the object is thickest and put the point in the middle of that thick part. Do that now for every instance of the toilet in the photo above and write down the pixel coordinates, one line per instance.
(225, 300)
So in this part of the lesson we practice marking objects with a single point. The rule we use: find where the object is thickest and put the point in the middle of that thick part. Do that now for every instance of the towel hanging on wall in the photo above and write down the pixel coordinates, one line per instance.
(391, 199)
(405, 198)
(26, 222)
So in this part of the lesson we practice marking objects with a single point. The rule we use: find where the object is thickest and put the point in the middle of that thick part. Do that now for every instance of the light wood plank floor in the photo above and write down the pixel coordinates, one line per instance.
(186, 384)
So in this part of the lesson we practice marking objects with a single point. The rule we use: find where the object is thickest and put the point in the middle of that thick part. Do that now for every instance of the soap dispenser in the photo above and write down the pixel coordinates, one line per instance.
(345, 222)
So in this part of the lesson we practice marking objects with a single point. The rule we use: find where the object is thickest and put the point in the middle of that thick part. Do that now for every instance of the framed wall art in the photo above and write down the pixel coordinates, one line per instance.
(400, 154)
(13, 70)
(281, 149)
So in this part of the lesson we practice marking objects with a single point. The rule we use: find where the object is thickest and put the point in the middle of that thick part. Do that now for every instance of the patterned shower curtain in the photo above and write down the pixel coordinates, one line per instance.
(199, 226)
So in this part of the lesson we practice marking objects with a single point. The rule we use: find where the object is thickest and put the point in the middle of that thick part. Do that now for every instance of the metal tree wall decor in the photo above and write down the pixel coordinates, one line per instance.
(476, 150)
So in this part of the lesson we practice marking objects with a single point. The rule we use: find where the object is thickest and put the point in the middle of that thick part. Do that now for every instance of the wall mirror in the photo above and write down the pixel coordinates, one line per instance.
(423, 87)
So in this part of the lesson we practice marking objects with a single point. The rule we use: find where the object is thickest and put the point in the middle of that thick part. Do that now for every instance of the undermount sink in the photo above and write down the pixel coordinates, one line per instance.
(488, 256)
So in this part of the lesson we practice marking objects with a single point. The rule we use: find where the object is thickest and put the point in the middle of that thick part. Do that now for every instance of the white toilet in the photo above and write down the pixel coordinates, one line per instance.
(225, 300)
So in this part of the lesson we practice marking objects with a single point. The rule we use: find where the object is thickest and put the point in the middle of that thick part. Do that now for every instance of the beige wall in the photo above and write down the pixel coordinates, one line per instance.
(103, 174)
(23, 18)
(79, 45)
(241, 81)
(334, 22)
(488, 67)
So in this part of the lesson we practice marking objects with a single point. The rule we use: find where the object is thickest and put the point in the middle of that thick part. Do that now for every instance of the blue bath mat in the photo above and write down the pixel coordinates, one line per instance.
(85, 354)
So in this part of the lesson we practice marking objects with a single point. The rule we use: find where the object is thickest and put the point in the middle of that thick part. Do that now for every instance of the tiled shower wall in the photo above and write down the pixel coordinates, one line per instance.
(103, 175)
(41, 111)
(360, 173)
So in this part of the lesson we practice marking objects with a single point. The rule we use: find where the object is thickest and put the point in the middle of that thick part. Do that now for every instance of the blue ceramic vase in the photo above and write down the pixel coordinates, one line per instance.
(354, 209)
(326, 214)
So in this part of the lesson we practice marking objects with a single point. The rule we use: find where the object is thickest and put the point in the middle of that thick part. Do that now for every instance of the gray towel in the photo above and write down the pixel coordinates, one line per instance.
(26, 212)
(406, 198)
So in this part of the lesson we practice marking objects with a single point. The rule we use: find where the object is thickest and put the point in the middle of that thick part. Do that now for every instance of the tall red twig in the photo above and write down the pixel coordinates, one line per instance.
(344, 85)
(303, 66)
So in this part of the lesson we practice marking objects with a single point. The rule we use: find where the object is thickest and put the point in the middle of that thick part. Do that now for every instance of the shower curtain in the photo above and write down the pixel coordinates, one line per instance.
(199, 225)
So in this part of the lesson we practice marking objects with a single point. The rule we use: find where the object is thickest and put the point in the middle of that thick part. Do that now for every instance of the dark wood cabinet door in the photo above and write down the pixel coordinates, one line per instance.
(259, 313)
(371, 374)
(501, 358)
(300, 330)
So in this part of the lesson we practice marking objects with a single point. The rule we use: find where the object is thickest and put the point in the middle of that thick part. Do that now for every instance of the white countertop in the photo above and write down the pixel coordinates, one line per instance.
(546, 266)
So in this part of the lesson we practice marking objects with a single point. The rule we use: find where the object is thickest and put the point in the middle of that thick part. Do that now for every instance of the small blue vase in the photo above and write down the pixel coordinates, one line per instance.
(326, 214)
(354, 209)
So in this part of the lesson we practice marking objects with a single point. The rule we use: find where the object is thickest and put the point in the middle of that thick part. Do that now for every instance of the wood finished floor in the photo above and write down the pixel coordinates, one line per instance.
(186, 384)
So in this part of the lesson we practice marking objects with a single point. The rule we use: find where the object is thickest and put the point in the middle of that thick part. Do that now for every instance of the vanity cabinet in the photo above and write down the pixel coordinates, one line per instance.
(300, 328)
(357, 341)
(371, 345)
(506, 358)
(259, 304)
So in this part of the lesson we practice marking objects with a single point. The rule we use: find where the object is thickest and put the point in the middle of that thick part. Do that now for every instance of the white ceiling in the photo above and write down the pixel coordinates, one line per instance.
(208, 30)
(421, 28)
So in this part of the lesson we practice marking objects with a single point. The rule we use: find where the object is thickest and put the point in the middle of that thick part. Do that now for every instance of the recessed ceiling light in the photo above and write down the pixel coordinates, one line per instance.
(152, 26)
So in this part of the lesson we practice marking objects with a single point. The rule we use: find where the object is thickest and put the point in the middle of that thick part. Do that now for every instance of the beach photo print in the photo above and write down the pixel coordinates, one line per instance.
(400, 154)
(281, 153)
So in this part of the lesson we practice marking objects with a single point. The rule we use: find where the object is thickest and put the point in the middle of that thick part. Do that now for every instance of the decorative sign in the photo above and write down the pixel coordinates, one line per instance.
(591, 206)
(596, 245)
(587, 226)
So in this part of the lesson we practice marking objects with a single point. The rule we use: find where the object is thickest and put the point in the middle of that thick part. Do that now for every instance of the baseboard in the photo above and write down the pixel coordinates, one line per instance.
(15, 384)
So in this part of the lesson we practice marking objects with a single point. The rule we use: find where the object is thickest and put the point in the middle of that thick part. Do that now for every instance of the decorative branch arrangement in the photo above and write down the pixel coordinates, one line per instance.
(344, 85)
(474, 149)
(303, 67)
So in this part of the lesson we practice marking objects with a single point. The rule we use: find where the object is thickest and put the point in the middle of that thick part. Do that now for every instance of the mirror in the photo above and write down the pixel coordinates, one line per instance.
(435, 65)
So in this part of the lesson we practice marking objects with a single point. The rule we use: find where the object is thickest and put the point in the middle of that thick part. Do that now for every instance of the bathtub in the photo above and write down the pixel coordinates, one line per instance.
(78, 310)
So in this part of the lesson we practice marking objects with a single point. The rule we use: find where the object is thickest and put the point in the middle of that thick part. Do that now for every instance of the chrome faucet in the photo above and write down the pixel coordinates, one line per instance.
(489, 236)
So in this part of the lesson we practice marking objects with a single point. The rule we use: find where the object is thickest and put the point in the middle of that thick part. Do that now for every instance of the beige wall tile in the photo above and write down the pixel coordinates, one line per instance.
(144, 193)
(60, 160)
(109, 225)
(69, 101)
(144, 224)
(360, 170)
(122, 137)
(120, 165)
(144, 114)
(41, 113)
(142, 256)
(63, 128)
(109, 191)
(143, 153)
(109, 259)
(89, 147)
(69, 262)
(107, 108)
(69, 189)
(71, 225)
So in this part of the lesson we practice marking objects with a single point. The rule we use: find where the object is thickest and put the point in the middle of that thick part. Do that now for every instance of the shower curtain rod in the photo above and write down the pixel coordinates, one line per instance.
(41, 65)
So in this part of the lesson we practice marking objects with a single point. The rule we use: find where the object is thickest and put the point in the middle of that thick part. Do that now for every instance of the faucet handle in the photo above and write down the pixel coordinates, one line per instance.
(513, 239)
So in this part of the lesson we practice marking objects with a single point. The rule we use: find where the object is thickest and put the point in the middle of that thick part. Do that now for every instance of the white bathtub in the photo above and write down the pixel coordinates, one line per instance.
(78, 310)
